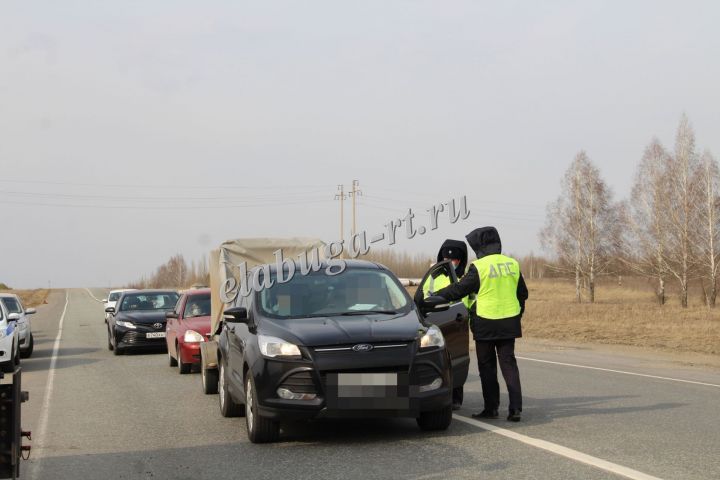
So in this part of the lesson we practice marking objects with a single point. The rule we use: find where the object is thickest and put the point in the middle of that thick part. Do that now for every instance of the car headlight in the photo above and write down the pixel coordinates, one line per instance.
(277, 347)
(121, 323)
(432, 338)
(191, 336)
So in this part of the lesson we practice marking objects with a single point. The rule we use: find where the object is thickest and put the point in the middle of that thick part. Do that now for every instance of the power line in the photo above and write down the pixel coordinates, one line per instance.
(151, 207)
(172, 186)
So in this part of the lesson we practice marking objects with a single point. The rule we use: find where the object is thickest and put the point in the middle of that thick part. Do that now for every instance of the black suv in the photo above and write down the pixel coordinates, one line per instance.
(347, 345)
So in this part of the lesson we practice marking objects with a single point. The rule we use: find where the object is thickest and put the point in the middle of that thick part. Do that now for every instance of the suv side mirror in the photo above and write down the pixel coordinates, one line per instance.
(110, 309)
(30, 311)
(236, 315)
(104, 300)
(171, 314)
(435, 303)
(14, 316)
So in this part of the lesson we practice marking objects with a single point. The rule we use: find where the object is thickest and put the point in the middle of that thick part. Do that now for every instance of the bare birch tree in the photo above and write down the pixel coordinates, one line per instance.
(647, 217)
(708, 231)
(682, 212)
(582, 225)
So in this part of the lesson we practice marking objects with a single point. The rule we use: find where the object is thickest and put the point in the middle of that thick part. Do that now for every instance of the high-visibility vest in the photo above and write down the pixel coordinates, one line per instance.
(442, 281)
(433, 284)
(497, 297)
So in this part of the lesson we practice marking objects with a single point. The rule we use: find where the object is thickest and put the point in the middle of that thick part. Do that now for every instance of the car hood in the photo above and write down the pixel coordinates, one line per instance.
(142, 317)
(199, 324)
(340, 330)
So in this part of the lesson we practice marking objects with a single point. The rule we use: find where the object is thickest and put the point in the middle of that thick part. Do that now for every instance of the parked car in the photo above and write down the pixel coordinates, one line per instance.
(187, 327)
(21, 315)
(138, 319)
(9, 337)
(112, 298)
(346, 345)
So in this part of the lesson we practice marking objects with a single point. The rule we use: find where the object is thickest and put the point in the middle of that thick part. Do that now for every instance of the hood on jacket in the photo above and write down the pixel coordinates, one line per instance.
(484, 241)
(461, 250)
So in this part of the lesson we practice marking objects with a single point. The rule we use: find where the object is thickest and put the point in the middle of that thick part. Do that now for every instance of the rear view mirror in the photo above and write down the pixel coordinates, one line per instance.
(236, 315)
(435, 303)
(171, 315)
(104, 300)
(14, 316)
(30, 311)
(110, 309)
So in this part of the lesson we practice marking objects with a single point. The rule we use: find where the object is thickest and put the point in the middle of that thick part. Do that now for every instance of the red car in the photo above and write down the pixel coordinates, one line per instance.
(187, 327)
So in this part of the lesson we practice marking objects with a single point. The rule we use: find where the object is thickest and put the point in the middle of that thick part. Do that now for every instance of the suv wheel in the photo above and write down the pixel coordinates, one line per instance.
(228, 407)
(437, 420)
(110, 344)
(29, 349)
(259, 429)
(209, 378)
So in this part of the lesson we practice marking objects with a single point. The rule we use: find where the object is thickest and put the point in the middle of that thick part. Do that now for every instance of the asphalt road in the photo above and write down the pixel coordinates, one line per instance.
(97, 416)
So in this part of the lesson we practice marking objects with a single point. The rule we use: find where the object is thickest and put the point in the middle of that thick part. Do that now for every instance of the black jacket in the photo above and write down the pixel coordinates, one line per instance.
(486, 241)
(459, 270)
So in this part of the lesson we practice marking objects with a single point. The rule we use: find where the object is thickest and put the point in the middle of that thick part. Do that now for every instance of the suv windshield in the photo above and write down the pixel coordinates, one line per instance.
(150, 301)
(12, 305)
(355, 291)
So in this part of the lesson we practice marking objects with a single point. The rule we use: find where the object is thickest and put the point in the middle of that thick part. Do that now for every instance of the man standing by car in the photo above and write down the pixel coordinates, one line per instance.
(456, 252)
(495, 319)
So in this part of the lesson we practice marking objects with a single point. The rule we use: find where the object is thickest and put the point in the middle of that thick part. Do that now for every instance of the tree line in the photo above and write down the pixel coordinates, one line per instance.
(667, 230)
(176, 273)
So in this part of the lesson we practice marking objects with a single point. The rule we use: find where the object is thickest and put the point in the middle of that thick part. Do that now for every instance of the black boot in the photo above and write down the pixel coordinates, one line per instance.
(514, 416)
(486, 414)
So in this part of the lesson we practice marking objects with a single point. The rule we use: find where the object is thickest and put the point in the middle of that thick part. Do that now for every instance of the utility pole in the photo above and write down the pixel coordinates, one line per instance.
(354, 193)
(341, 196)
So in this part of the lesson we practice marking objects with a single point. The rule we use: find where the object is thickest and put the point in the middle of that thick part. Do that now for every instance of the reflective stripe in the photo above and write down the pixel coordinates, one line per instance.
(499, 277)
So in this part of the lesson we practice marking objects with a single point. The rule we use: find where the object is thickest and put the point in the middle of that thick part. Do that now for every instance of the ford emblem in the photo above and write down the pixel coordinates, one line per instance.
(362, 347)
(157, 325)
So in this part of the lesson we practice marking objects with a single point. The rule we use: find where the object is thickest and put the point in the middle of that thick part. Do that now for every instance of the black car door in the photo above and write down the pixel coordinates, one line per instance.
(454, 325)
(237, 334)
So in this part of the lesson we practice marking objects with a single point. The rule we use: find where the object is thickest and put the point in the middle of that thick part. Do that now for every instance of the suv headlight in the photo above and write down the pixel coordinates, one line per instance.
(432, 338)
(191, 336)
(277, 347)
(121, 323)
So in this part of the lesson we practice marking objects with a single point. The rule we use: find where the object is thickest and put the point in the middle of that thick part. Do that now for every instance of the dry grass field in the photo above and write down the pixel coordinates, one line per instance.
(621, 315)
(30, 298)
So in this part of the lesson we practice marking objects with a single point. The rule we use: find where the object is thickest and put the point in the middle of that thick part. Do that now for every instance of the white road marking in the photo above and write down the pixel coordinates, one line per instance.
(620, 371)
(93, 296)
(42, 423)
(560, 450)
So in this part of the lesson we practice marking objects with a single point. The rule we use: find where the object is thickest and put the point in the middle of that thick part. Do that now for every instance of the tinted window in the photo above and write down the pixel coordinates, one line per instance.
(149, 301)
(12, 305)
(197, 306)
(114, 297)
(319, 294)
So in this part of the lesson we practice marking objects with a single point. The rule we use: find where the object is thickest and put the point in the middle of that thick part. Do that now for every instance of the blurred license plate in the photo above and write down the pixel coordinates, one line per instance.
(367, 390)
(155, 335)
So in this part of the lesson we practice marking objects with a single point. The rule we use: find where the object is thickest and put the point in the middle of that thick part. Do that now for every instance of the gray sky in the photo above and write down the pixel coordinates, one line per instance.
(120, 121)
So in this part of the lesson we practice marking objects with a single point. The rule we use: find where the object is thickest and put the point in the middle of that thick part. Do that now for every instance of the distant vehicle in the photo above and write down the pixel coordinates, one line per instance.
(138, 319)
(9, 340)
(113, 297)
(187, 327)
(16, 312)
(352, 345)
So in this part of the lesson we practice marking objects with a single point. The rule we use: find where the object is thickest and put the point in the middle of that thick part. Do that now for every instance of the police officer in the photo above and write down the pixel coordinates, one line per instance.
(495, 317)
(456, 252)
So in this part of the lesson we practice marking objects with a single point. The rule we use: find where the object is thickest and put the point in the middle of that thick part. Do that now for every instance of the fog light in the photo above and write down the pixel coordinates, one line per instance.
(286, 394)
(437, 383)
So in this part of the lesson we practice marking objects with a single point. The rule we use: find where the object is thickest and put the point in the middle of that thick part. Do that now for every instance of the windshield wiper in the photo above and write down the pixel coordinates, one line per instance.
(368, 312)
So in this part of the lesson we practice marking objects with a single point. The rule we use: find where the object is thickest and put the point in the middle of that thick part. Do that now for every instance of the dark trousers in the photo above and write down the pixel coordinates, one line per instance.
(487, 364)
